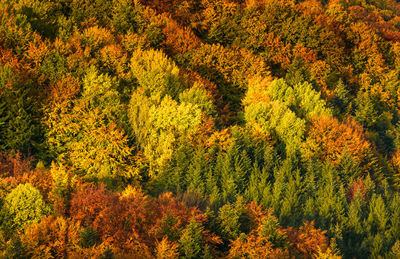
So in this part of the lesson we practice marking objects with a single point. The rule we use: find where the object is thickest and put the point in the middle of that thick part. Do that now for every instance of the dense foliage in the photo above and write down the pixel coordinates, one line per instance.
(199, 129)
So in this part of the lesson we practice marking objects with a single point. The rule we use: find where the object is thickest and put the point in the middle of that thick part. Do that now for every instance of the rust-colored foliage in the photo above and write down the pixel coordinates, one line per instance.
(202, 134)
(20, 168)
(52, 237)
(162, 5)
(14, 165)
(307, 240)
(193, 77)
(179, 39)
(254, 246)
(355, 189)
(134, 222)
(257, 214)
(64, 89)
(330, 139)
(37, 52)
(88, 201)
(114, 59)
(278, 51)
(8, 58)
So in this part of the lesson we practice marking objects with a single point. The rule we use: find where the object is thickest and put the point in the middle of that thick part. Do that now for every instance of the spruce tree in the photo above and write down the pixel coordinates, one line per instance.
(191, 241)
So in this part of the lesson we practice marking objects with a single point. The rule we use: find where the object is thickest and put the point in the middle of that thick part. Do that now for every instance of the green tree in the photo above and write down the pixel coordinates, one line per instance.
(85, 9)
(89, 237)
(232, 220)
(126, 16)
(191, 241)
(342, 98)
(20, 130)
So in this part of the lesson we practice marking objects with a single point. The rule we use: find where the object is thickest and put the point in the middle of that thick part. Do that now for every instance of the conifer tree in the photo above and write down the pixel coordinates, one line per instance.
(191, 241)
(228, 216)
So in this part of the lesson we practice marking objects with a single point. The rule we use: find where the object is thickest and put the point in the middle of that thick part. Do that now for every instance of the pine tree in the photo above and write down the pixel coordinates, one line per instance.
(191, 241)
(290, 209)
(229, 217)
(394, 201)
(256, 185)
(342, 98)
(22, 131)
(89, 237)
(196, 172)
(228, 184)
(378, 216)
(4, 118)
(242, 169)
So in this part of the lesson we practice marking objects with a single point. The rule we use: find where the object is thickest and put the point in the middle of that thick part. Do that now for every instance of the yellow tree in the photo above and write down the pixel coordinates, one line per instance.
(155, 72)
(158, 126)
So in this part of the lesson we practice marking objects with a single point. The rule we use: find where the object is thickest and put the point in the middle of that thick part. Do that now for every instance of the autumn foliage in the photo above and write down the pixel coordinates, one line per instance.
(199, 129)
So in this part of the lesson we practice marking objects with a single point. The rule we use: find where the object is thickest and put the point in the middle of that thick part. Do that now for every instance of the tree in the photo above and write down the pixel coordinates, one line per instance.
(197, 95)
(156, 73)
(307, 241)
(63, 182)
(157, 127)
(265, 239)
(93, 148)
(40, 15)
(229, 69)
(328, 139)
(52, 237)
(23, 205)
(19, 130)
(253, 246)
(277, 118)
(100, 91)
(126, 16)
(86, 134)
(88, 201)
(191, 241)
(307, 102)
(167, 250)
(84, 10)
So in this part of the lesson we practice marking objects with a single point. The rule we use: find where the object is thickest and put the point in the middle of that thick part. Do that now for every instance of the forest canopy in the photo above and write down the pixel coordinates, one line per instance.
(199, 129)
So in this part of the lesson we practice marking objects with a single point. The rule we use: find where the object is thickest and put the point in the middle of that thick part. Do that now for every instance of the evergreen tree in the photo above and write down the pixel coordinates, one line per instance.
(229, 218)
(191, 241)
(196, 172)
(126, 16)
(19, 124)
(342, 98)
